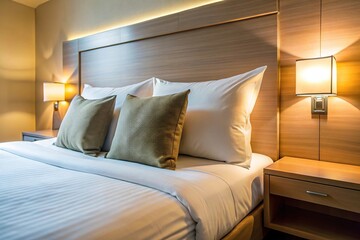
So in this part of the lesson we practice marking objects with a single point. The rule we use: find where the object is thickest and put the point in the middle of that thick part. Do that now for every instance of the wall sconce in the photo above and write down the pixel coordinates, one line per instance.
(316, 77)
(54, 92)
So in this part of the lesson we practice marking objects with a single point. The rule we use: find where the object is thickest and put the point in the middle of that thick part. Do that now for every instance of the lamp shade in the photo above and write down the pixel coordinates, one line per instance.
(316, 76)
(54, 92)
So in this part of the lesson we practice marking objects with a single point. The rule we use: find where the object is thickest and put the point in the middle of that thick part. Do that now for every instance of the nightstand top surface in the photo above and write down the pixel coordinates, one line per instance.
(42, 133)
(342, 175)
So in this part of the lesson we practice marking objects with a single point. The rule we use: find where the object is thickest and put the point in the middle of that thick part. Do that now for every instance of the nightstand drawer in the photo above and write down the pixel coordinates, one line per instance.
(39, 135)
(331, 196)
(31, 139)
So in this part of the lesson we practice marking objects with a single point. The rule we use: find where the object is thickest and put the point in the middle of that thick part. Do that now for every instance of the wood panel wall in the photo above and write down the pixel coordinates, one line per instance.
(299, 38)
(308, 28)
(221, 40)
(340, 130)
(312, 28)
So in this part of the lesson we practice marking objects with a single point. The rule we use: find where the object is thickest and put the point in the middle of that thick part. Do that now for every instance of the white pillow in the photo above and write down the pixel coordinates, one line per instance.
(217, 124)
(142, 89)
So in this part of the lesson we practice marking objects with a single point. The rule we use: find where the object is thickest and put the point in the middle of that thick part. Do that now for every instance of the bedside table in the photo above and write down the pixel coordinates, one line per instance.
(39, 135)
(312, 199)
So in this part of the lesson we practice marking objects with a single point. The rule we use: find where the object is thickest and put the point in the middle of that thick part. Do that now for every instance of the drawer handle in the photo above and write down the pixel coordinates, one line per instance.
(317, 193)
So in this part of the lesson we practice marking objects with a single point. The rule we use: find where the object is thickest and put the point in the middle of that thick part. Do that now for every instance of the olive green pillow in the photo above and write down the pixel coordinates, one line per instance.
(149, 130)
(85, 124)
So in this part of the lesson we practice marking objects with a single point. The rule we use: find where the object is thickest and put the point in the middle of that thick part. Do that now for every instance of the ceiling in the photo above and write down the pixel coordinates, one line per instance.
(31, 3)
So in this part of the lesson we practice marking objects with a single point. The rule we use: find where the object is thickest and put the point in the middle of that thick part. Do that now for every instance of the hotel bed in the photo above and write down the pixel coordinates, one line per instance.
(48, 192)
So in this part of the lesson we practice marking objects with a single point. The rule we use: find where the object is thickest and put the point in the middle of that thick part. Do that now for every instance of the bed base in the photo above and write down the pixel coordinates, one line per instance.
(250, 228)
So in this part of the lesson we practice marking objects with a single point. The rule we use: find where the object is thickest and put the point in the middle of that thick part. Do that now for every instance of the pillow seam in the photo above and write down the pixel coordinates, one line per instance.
(172, 150)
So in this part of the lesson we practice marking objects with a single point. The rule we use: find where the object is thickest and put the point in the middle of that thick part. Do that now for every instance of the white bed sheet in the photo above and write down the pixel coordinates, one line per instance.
(82, 197)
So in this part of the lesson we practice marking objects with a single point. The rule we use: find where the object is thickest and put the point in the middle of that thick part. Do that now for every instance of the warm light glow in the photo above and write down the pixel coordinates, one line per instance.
(316, 76)
(144, 17)
(54, 92)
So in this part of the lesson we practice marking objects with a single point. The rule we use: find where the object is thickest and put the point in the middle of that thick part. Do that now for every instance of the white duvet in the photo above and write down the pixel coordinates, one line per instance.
(51, 193)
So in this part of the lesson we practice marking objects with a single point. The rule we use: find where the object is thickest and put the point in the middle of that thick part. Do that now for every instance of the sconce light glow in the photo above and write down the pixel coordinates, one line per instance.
(316, 77)
(54, 92)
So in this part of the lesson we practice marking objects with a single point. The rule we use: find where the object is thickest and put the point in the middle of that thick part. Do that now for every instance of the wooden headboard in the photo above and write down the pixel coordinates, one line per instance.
(206, 43)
